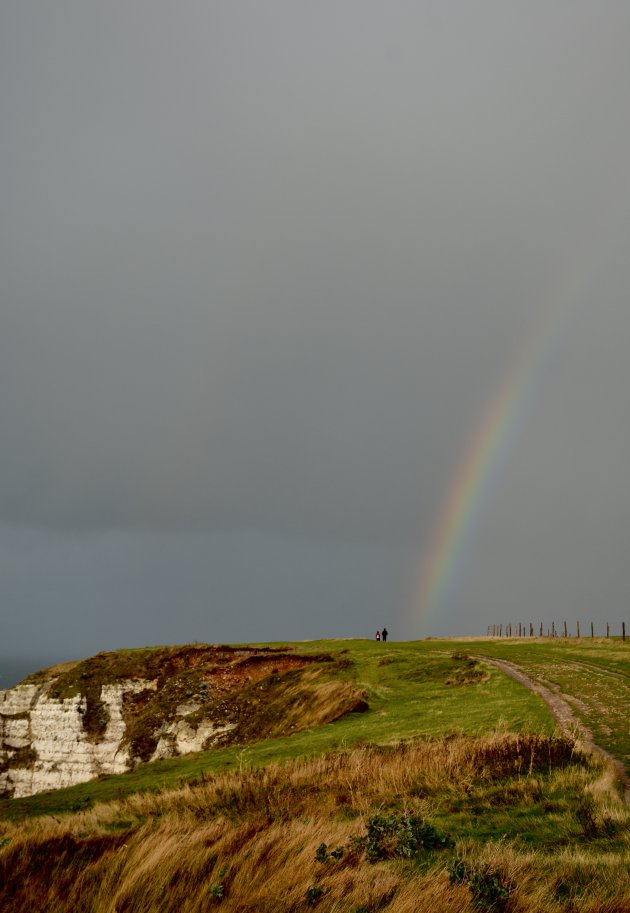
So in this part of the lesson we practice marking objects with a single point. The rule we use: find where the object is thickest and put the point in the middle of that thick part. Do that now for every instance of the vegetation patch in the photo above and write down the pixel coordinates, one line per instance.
(448, 669)
(266, 839)
(279, 705)
(398, 836)
(490, 888)
(25, 758)
(55, 862)
(467, 671)
(405, 685)
(592, 674)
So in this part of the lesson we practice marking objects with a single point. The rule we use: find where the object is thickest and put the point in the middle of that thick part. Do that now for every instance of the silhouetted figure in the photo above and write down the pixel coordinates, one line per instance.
(378, 635)
(384, 633)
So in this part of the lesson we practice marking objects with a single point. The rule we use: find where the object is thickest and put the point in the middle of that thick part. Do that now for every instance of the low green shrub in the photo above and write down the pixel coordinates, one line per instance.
(394, 836)
(322, 855)
(313, 894)
(490, 888)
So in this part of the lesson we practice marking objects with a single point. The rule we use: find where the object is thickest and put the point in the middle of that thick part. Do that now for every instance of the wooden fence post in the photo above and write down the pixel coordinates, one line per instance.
(607, 631)
(565, 629)
(592, 634)
(623, 631)
(578, 630)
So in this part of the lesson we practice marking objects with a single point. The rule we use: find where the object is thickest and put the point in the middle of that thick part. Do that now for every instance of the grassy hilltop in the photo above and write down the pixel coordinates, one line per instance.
(398, 777)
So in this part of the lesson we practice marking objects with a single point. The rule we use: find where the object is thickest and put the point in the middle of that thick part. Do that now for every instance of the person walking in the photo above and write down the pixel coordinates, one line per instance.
(384, 634)
(378, 635)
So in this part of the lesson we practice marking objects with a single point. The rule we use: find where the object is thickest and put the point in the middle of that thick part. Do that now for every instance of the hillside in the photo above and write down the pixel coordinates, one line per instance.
(453, 790)
(108, 714)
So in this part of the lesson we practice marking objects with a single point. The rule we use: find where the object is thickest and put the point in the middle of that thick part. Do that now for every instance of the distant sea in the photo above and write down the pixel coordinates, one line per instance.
(14, 668)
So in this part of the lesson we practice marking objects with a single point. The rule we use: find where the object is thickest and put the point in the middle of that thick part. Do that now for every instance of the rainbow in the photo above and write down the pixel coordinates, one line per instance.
(506, 414)
(487, 454)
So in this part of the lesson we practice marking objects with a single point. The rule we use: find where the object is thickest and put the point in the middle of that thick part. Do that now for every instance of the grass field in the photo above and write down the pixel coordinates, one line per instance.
(453, 792)
(592, 675)
(498, 823)
(407, 688)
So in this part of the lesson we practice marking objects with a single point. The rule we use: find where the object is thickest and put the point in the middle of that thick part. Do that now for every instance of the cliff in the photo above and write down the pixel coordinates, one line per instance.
(71, 723)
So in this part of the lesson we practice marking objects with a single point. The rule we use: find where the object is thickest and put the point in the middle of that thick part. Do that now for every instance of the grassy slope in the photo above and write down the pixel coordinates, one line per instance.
(233, 828)
(526, 815)
(408, 694)
(593, 674)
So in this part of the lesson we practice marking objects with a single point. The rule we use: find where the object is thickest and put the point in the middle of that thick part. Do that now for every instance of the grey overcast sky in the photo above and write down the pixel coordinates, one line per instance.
(264, 267)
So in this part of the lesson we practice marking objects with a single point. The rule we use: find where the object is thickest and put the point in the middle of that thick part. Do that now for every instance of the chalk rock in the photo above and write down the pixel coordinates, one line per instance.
(44, 743)
(180, 737)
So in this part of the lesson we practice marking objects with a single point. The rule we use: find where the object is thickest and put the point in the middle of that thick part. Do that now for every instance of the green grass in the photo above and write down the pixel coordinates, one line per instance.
(594, 675)
(407, 690)
(408, 695)
(437, 742)
(503, 804)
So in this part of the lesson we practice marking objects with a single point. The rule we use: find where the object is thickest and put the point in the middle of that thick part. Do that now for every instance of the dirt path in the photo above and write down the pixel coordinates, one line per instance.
(568, 723)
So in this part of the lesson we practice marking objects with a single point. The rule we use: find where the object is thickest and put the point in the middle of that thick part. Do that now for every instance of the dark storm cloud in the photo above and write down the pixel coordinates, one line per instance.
(264, 264)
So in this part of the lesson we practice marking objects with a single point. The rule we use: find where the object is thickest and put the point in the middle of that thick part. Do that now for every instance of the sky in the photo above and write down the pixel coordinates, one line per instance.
(267, 269)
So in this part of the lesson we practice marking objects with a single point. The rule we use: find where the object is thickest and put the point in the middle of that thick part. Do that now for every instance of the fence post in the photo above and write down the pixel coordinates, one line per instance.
(607, 631)
(592, 635)
(578, 630)
(565, 629)
(623, 631)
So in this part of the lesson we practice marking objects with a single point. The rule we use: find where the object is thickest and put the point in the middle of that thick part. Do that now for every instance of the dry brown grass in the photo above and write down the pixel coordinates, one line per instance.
(246, 841)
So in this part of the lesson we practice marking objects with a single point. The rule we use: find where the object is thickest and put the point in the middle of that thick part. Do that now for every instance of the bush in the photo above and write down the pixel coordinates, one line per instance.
(313, 894)
(459, 872)
(398, 836)
(489, 888)
(322, 855)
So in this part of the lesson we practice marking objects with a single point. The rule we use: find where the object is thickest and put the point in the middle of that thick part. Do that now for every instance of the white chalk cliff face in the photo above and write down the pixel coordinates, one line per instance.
(44, 744)
(107, 714)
